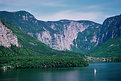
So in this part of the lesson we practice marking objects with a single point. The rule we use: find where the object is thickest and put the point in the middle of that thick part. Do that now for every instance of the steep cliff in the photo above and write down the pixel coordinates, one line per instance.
(109, 38)
(60, 35)
(111, 28)
(27, 45)
(79, 36)
(7, 37)
(63, 33)
(32, 53)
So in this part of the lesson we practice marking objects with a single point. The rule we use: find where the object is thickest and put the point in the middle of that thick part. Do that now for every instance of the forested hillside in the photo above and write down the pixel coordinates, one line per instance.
(31, 53)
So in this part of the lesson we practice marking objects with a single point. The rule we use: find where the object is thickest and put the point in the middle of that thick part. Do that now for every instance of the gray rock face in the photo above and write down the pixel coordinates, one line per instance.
(62, 40)
(7, 38)
(59, 35)
(64, 32)
(81, 36)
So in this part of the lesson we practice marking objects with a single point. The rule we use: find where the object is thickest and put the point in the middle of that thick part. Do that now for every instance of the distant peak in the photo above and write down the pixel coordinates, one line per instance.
(23, 12)
(20, 12)
(15, 11)
(65, 20)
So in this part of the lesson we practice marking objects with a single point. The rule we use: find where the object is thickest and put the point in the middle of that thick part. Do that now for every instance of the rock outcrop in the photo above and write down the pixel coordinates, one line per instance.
(111, 28)
(7, 38)
(65, 32)
(59, 35)
(80, 36)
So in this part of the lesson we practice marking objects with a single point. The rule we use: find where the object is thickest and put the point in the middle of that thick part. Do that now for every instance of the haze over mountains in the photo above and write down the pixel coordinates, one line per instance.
(78, 36)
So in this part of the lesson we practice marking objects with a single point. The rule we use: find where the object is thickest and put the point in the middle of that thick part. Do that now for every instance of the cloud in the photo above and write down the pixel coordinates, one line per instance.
(74, 15)
(93, 7)
(54, 3)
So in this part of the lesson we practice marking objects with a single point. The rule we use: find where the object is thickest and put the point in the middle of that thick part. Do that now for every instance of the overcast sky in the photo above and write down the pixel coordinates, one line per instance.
(52, 10)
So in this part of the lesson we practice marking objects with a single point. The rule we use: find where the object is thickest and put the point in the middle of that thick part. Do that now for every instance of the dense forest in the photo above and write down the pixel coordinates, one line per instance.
(11, 58)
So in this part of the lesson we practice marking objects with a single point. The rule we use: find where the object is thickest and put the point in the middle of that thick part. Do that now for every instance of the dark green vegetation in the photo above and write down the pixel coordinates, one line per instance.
(111, 48)
(116, 59)
(34, 54)
(42, 62)
(96, 41)
(89, 39)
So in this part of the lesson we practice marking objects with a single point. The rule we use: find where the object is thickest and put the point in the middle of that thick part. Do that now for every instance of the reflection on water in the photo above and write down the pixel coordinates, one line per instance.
(95, 72)
(60, 76)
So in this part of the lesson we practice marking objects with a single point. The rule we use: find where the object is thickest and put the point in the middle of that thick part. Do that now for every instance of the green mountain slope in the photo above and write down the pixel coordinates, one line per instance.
(34, 54)
(111, 48)
(76, 36)
(34, 46)
(109, 38)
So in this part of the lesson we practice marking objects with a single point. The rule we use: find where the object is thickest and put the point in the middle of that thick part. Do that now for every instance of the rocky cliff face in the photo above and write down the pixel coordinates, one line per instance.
(111, 28)
(80, 36)
(60, 35)
(63, 33)
(7, 38)
(87, 39)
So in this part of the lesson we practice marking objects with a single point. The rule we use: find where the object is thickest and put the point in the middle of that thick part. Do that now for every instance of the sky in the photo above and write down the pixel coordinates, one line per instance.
(53, 10)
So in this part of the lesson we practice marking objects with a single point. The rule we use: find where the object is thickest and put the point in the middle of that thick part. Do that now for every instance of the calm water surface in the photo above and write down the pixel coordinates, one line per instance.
(104, 72)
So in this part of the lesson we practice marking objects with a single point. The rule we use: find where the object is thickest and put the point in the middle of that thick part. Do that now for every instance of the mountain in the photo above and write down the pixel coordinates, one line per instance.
(19, 50)
(111, 28)
(14, 37)
(79, 36)
(87, 39)
(109, 38)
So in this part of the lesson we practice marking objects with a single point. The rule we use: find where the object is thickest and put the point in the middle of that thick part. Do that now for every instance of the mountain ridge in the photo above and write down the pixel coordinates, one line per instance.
(34, 54)
(59, 35)
(78, 36)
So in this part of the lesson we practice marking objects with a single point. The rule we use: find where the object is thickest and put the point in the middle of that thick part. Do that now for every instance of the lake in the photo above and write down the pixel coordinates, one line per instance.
(103, 72)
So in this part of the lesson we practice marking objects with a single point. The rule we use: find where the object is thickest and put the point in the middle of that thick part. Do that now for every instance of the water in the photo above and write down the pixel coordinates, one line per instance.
(104, 72)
